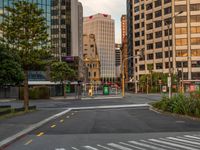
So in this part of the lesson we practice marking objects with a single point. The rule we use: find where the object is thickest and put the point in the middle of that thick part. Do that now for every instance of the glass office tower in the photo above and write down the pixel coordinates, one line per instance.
(43, 4)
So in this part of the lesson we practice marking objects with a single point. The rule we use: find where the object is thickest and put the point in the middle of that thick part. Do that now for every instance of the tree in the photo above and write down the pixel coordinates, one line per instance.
(11, 72)
(61, 72)
(24, 28)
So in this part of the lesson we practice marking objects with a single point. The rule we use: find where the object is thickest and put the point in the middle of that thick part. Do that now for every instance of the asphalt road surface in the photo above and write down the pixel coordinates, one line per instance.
(113, 129)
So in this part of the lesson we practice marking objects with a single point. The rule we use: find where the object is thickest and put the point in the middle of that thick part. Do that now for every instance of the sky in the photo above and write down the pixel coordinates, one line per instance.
(115, 8)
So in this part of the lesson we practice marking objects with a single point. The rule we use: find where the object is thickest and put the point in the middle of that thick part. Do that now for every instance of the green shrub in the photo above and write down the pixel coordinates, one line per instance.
(180, 104)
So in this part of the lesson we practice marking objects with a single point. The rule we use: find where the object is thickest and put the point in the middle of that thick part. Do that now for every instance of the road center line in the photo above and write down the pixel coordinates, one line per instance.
(40, 134)
(29, 142)
(53, 126)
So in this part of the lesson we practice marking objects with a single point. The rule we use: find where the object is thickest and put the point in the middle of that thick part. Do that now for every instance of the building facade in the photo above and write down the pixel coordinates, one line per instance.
(151, 20)
(123, 28)
(118, 59)
(67, 28)
(102, 26)
(91, 58)
(130, 37)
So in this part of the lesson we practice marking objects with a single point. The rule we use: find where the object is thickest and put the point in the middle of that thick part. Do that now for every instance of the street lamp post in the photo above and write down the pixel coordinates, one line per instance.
(170, 73)
(123, 76)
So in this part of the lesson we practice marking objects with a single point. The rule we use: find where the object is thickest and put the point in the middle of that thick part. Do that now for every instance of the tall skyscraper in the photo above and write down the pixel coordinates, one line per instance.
(123, 28)
(67, 28)
(118, 59)
(150, 31)
(129, 18)
(102, 26)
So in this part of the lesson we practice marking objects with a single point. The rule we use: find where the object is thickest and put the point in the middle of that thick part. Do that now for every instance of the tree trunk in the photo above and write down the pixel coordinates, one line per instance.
(26, 91)
(64, 90)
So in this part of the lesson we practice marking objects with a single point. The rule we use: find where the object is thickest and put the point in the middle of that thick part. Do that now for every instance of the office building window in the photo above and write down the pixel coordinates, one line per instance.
(181, 42)
(158, 24)
(158, 13)
(158, 34)
(149, 16)
(149, 6)
(195, 18)
(179, 64)
(137, 17)
(136, 9)
(150, 46)
(137, 34)
(166, 43)
(196, 64)
(166, 32)
(159, 66)
(181, 53)
(195, 41)
(179, 8)
(137, 26)
(182, 30)
(181, 19)
(167, 10)
(194, 7)
(149, 56)
(195, 29)
(137, 43)
(142, 67)
(158, 3)
(159, 55)
(159, 44)
(149, 26)
(150, 36)
(167, 1)
(195, 52)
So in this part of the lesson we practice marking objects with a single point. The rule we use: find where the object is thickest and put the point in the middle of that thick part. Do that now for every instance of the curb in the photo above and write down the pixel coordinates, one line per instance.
(13, 138)
(31, 128)
(96, 98)
(172, 114)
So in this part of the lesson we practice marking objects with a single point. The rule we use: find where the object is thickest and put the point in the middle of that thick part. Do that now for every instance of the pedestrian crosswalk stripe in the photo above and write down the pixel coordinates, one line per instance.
(182, 143)
(118, 146)
(193, 137)
(104, 147)
(90, 148)
(132, 146)
(172, 144)
(145, 145)
(156, 144)
(186, 141)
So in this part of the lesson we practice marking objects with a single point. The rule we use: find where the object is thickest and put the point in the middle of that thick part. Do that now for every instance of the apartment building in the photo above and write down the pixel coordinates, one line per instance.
(180, 42)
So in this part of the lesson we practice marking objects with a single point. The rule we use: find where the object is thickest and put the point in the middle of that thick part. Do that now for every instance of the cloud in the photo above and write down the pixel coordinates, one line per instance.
(115, 8)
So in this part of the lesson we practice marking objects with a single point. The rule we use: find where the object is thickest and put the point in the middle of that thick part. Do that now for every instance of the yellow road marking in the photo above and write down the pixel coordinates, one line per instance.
(53, 126)
(61, 120)
(67, 117)
(29, 142)
(40, 134)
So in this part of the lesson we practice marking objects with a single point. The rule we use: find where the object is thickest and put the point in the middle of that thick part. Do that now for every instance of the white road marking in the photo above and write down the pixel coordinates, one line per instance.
(158, 145)
(146, 145)
(118, 146)
(104, 147)
(74, 148)
(193, 137)
(132, 146)
(60, 149)
(172, 144)
(185, 141)
(90, 148)
(181, 143)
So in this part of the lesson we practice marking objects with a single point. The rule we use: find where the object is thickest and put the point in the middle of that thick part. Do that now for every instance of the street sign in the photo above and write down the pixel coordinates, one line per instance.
(169, 81)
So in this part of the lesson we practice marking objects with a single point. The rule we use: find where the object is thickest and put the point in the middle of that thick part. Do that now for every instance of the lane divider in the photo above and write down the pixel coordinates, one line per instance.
(53, 126)
(29, 142)
(61, 121)
(40, 134)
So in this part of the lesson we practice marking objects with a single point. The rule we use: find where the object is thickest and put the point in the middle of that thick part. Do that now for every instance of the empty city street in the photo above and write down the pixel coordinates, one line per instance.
(113, 129)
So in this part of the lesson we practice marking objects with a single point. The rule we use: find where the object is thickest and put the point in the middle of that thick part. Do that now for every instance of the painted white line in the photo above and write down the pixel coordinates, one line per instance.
(74, 148)
(181, 143)
(104, 147)
(185, 141)
(156, 144)
(60, 149)
(90, 148)
(132, 146)
(193, 137)
(96, 98)
(31, 128)
(118, 146)
(189, 139)
(146, 145)
(111, 106)
(173, 144)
